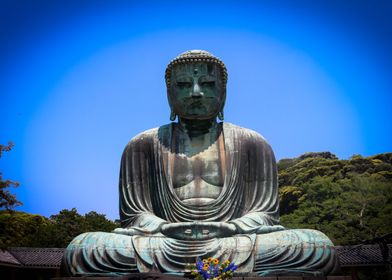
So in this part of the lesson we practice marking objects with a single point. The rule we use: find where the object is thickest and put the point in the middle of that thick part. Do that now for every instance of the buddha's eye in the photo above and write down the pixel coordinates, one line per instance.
(184, 84)
(208, 84)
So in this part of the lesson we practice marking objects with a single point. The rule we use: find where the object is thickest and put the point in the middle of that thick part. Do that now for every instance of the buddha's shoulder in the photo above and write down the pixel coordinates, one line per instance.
(150, 135)
(245, 134)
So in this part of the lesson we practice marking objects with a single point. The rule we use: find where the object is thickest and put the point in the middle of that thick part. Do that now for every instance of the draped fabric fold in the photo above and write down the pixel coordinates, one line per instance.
(249, 200)
(249, 197)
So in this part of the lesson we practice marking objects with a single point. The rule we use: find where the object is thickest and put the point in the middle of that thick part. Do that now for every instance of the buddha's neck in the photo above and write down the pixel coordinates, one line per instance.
(195, 128)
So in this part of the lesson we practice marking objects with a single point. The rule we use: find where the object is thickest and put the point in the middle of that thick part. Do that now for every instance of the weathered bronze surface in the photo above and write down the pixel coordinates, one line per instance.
(160, 276)
(199, 188)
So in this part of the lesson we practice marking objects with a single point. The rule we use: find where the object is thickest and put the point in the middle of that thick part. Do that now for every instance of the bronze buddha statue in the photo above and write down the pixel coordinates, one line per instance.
(199, 187)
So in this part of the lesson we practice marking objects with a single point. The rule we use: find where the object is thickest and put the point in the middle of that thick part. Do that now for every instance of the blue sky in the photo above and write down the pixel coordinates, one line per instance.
(79, 79)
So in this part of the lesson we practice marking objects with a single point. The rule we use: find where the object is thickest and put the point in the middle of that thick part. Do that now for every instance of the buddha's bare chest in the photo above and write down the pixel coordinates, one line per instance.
(198, 178)
(205, 166)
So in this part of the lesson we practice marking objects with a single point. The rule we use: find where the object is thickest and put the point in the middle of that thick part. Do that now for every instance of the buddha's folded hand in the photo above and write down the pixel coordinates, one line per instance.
(198, 230)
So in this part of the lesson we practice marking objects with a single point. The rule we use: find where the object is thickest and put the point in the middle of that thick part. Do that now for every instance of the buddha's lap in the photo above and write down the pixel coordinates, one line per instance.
(304, 240)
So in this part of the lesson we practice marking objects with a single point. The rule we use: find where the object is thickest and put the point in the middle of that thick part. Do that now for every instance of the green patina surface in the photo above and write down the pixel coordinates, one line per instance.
(199, 188)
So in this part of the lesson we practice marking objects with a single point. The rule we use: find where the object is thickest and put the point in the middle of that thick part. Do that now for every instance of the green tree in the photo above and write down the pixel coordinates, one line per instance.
(63, 227)
(290, 198)
(7, 199)
(98, 222)
(349, 200)
(21, 229)
(28, 230)
(67, 224)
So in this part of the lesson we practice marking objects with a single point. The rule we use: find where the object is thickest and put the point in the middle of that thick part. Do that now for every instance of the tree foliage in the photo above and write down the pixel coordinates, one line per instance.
(28, 230)
(21, 229)
(7, 199)
(349, 200)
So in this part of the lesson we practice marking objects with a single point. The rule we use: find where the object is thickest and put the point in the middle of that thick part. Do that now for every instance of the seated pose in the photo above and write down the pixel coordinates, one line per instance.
(199, 187)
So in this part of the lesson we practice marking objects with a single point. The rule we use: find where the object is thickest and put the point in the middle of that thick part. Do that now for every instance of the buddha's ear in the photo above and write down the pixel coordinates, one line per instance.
(172, 116)
(221, 116)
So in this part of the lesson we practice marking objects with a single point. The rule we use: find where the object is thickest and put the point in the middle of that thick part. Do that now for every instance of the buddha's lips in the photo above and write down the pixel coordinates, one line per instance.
(193, 103)
(198, 102)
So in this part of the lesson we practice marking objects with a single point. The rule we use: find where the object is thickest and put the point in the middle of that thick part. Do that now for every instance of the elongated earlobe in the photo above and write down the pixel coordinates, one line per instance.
(220, 115)
(173, 116)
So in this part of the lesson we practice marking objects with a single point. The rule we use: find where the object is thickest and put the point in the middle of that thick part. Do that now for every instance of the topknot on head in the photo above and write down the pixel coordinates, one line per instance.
(195, 56)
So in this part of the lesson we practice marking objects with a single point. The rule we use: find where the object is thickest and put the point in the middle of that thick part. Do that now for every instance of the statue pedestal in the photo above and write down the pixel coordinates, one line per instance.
(161, 276)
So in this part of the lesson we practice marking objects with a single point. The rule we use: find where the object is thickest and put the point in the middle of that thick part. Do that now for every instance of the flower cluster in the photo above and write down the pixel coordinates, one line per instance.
(211, 269)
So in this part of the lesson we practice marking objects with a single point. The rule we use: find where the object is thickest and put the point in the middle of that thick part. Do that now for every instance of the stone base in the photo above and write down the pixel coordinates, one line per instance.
(160, 276)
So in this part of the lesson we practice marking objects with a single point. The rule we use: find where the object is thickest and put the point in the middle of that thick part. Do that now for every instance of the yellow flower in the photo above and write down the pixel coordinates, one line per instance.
(206, 266)
(227, 262)
(204, 261)
(209, 259)
(215, 261)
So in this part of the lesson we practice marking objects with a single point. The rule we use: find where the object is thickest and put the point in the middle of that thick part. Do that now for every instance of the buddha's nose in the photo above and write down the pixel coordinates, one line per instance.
(196, 91)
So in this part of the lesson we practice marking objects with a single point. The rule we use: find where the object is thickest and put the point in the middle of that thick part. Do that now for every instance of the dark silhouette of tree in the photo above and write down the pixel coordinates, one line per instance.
(8, 200)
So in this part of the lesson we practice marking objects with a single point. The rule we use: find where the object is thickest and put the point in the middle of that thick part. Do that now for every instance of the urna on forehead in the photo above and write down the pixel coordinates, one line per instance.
(195, 69)
(196, 56)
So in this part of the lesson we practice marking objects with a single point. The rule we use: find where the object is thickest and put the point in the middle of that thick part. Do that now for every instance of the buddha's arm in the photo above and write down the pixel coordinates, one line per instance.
(143, 224)
(255, 222)
(259, 184)
(136, 173)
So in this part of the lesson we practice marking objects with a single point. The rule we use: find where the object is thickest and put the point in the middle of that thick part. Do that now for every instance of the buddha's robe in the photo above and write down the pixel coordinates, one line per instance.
(249, 200)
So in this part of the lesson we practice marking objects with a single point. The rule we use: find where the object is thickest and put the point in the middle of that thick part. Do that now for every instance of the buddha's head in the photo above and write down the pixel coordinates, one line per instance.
(196, 86)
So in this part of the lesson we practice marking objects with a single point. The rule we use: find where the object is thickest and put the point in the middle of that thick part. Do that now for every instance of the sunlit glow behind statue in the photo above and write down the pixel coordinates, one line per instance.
(199, 187)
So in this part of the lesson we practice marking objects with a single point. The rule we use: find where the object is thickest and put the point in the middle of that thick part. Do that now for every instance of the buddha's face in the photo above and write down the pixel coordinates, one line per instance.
(196, 91)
